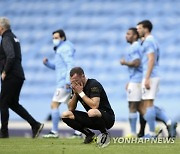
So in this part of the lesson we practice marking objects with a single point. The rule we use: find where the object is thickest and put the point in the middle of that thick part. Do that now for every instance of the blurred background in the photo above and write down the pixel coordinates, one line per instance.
(97, 28)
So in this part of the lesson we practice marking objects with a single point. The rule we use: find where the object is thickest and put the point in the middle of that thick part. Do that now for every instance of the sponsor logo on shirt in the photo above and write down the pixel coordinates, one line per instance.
(95, 89)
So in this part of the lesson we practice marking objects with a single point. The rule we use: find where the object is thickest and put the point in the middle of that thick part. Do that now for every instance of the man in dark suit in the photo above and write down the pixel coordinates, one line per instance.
(12, 78)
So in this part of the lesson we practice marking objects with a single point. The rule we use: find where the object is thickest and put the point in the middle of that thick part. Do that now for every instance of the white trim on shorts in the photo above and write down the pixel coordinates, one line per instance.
(134, 92)
(61, 95)
(154, 88)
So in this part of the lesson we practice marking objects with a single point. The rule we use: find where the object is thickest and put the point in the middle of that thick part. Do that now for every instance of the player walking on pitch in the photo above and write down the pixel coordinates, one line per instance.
(64, 61)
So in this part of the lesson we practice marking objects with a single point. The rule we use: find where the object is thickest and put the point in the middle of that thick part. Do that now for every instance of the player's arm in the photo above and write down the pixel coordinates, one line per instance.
(151, 59)
(150, 64)
(48, 64)
(72, 104)
(91, 102)
(134, 63)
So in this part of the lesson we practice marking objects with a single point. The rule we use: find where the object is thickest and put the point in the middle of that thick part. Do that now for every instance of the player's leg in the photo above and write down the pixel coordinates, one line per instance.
(80, 121)
(22, 112)
(4, 98)
(161, 116)
(150, 115)
(133, 117)
(76, 134)
(94, 119)
(13, 103)
(55, 117)
(170, 125)
(142, 126)
(148, 110)
(61, 95)
(142, 122)
(134, 98)
(102, 121)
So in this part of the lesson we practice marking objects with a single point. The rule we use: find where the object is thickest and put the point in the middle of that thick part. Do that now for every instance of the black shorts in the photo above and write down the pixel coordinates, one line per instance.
(108, 118)
(85, 120)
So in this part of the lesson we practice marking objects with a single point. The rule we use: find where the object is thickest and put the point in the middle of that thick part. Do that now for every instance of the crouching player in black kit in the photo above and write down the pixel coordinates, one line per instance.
(99, 115)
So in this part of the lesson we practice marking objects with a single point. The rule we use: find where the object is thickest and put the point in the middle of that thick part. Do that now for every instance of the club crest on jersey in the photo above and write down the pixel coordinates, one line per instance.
(94, 89)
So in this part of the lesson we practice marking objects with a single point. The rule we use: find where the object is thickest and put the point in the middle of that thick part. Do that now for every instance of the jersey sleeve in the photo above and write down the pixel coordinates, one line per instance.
(50, 65)
(134, 52)
(95, 90)
(135, 55)
(149, 47)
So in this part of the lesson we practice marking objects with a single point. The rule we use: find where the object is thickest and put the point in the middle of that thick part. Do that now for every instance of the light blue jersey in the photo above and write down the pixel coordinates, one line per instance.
(135, 52)
(64, 62)
(150, 45)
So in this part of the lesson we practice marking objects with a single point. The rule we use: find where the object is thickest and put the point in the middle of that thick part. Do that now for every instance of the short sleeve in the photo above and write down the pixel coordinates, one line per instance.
(149, 47)
(135, 55)
(95, 90)
(134, 52)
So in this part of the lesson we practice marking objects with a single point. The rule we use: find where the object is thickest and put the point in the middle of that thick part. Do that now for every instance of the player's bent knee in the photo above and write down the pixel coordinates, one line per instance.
(67, 114)
(94, 113)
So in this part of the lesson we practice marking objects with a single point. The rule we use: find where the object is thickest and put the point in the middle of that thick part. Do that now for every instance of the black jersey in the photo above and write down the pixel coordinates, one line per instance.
(94, 89)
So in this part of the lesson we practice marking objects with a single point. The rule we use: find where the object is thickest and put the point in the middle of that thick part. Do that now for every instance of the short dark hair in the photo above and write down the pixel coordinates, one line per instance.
(134, 31)
(61, 33)
(76, 70)
(146, 24)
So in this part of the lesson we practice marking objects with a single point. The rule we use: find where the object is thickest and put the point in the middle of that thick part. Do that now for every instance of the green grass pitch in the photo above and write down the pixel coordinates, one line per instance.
(75, 146)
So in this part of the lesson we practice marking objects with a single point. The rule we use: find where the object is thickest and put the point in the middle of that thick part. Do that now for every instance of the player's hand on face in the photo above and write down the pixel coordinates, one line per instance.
(147, 83)
(77, 87)
(45, 60)
(80, 87)
(73, 84)
(75, 93)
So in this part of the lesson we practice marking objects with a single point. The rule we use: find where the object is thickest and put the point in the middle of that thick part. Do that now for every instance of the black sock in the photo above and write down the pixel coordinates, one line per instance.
(142, 124)
(99, 124)
(77, 126)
